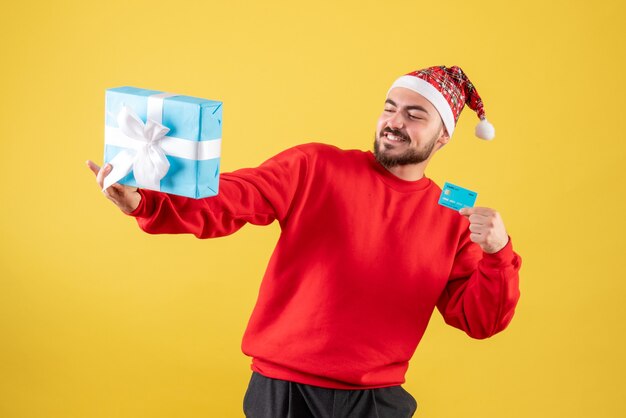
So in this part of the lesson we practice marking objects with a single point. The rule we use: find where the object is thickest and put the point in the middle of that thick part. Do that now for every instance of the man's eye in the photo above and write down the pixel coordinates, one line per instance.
(415, 117)
(388, 110)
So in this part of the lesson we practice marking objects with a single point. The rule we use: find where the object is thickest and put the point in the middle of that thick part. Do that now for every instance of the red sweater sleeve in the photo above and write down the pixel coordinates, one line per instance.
(252, 195)
(482, 291)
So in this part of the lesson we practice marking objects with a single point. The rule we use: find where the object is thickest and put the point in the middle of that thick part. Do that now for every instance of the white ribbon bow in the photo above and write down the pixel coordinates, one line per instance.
(146, 158)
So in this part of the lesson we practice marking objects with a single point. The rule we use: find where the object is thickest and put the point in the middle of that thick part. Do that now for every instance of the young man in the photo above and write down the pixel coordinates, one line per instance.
(364, 257)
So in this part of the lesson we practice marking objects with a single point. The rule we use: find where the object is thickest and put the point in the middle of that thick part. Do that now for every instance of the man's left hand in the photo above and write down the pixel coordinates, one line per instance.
(487, 228)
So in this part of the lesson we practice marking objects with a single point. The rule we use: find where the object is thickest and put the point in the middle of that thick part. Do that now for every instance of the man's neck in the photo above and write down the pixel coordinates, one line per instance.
(411, 172)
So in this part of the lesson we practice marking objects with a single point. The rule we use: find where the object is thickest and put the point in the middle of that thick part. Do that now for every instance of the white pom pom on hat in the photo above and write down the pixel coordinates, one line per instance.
(449, 90)
(485, 130)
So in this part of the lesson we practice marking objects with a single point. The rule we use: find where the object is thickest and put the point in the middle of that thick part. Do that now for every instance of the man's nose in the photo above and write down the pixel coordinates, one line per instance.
(396, 121)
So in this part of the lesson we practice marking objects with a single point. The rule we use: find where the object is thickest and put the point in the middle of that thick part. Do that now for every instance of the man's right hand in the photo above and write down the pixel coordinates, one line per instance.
(125, 197)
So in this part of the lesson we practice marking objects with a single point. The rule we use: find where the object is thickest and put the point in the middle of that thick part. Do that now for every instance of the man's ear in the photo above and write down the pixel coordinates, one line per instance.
(443, 137)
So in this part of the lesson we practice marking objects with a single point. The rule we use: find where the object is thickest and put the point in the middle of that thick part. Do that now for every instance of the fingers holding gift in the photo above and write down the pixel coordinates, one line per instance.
(100, 173)
(114, 192)
(93, 167)
(126, 198)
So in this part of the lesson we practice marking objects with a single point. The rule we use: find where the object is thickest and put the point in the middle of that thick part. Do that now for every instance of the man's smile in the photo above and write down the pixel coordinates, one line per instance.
(394, 137)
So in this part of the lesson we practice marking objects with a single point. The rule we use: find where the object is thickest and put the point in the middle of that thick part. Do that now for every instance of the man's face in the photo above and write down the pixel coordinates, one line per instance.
(408, 129)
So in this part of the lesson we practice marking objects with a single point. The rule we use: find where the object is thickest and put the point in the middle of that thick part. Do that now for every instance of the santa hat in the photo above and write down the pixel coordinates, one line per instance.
(448, 89)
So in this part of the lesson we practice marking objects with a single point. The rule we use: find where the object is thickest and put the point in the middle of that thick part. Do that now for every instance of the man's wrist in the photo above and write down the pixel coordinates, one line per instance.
(134, 208)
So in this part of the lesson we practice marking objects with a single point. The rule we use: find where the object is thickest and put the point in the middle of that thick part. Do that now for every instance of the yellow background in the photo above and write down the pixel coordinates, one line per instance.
(98, 319)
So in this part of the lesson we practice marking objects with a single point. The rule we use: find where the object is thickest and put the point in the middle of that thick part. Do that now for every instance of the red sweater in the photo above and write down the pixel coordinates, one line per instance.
(363, 259)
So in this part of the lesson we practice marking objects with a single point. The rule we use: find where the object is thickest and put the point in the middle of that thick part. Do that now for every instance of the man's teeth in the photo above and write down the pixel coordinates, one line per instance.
(392, 137)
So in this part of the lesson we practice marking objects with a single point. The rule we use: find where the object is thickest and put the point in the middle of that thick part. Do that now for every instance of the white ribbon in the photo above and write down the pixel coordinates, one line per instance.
(146, 146)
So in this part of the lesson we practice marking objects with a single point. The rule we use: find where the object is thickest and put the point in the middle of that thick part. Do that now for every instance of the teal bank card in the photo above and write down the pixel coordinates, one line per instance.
(456, 197)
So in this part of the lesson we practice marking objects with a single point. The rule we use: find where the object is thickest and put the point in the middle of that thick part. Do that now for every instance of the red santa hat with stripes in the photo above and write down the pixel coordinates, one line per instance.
(449, 90)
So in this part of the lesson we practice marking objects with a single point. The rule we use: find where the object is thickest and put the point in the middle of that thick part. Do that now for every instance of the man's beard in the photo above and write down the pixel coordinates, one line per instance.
(410, 156)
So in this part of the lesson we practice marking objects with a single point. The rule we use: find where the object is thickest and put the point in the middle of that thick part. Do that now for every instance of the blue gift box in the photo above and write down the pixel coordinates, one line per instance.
(191, 146)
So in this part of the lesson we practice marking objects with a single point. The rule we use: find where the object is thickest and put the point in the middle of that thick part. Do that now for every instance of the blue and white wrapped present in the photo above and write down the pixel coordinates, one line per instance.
(163, 141)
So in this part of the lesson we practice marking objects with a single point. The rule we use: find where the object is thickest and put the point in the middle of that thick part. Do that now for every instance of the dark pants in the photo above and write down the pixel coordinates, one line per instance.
(273, 398)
